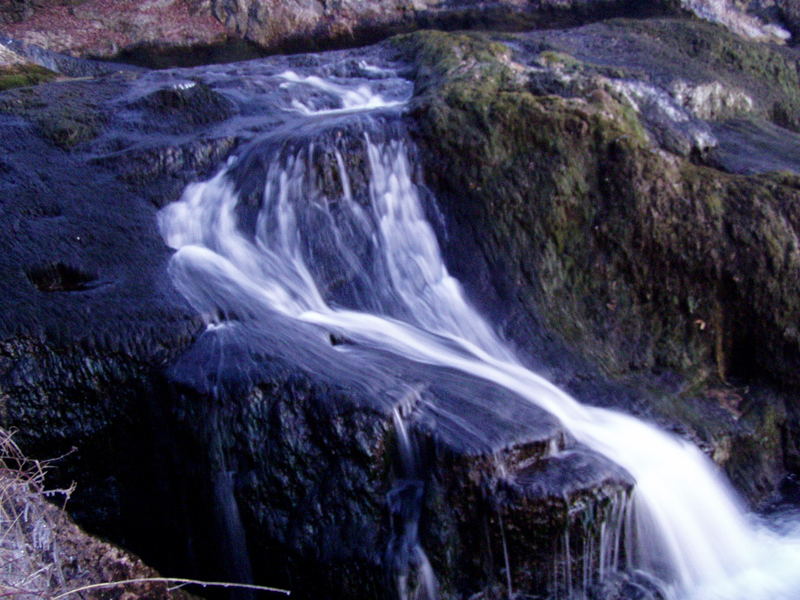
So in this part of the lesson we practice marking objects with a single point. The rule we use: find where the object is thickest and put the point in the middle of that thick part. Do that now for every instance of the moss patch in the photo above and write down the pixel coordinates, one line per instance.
(591, 213)
(21, 75)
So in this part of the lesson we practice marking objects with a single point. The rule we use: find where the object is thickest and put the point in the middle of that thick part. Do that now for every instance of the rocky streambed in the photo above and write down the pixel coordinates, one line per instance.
(619, 198)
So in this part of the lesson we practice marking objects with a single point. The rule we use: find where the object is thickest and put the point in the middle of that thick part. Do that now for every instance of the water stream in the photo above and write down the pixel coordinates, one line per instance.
(371, 270)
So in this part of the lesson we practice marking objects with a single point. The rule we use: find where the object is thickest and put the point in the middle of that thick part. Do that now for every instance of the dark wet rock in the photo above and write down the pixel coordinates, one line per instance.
(258, 455)
(187, 105)
(512, 506)
(305, 436)
(627, 587)
(87, 307)
(162, 172)
(67, 114)
(752, 147)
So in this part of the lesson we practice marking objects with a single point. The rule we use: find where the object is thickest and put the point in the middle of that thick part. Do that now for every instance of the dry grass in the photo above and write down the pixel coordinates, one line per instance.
(30, 562)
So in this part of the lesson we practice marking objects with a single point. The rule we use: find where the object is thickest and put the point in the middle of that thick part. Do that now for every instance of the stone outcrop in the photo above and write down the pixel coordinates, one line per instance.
(274, 24)
(249, 459)
(103, 29)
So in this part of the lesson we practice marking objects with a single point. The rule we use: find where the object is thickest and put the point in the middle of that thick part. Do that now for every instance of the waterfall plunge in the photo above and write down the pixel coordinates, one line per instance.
(687, 529)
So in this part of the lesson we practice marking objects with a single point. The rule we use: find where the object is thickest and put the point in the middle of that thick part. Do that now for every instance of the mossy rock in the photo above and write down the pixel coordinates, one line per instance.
(646, 264)
(772, 72)
(66, 113)
(22, 75)
(186, 106)
(573, 188)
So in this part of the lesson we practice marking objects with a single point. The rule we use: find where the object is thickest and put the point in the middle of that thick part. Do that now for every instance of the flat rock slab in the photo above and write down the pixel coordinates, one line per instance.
(753, 147)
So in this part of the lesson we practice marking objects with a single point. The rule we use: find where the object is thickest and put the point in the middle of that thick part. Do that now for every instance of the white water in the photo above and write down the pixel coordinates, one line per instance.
(352, 99)
(415, 580)
(688, 528)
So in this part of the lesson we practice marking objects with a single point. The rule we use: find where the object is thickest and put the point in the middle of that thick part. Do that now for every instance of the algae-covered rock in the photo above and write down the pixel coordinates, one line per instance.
(700, 66)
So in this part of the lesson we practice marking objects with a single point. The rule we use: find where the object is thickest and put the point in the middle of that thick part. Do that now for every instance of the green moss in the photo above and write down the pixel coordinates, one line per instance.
(782, 178)
(551, 58)
(22, 75)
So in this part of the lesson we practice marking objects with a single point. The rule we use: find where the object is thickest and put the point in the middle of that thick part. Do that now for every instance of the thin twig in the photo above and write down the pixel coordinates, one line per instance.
(96, 586)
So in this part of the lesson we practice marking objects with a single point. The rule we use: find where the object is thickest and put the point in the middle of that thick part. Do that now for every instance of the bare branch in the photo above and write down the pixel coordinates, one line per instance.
(222, 584)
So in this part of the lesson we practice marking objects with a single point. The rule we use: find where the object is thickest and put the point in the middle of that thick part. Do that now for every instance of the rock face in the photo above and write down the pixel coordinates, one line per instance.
(17, 10)
(249, 462)
(102, 29)
(752, 20)
(597, 202)
(273, 24)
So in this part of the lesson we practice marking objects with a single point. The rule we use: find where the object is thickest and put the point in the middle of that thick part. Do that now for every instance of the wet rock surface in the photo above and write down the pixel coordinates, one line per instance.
(561, 167)
(241, 456)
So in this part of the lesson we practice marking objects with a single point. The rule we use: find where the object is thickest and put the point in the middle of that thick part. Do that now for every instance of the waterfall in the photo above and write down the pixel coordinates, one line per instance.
(369, 269)
(411, 571)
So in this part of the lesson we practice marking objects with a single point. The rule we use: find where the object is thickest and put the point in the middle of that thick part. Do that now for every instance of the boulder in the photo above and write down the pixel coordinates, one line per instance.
(144, 30)
(156, 31)
(312, 23)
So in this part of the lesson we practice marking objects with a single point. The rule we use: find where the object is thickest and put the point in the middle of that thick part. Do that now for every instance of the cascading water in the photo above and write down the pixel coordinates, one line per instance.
(411, 570)
(369, 270)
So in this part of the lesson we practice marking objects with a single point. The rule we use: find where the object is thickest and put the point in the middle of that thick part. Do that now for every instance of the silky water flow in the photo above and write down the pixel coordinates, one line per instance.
(372, 272)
